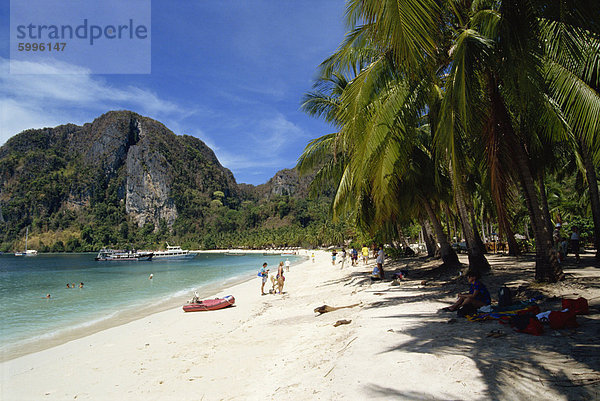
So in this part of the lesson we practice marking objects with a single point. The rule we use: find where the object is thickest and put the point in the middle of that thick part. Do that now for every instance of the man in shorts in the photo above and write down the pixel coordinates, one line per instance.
(264, 275)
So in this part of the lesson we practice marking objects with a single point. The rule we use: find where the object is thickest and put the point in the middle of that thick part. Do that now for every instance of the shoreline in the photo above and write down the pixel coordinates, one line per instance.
(118, 318)
(396, 345)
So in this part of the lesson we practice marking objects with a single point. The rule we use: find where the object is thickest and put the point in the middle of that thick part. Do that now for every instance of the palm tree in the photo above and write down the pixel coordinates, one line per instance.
(497, 76)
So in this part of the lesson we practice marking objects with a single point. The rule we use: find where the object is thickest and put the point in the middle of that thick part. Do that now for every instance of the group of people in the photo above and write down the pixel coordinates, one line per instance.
(277, 281)
(561, 244)
(73, 285)
(378, 254)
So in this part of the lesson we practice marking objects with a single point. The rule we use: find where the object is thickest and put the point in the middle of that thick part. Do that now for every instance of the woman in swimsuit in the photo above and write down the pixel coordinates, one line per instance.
(280, 278)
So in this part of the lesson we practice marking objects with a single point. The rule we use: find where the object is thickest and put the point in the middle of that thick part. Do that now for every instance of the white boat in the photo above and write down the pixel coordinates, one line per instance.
(173, 252)
(110, 255)
(26, 252)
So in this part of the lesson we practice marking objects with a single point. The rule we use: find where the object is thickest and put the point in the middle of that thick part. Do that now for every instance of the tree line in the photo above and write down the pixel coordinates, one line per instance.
(474, 110)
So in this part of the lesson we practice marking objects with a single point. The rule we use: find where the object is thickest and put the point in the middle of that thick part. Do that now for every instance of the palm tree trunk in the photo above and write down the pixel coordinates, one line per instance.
(478, 240)
(448, 255)
(544, 200)
(477, 260)
(513, 247)
(547, 267)
(428, 237)
(505, 228)
(590, 173)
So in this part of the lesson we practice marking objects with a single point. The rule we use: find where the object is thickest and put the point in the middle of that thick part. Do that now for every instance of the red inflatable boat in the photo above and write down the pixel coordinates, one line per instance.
(210, 304)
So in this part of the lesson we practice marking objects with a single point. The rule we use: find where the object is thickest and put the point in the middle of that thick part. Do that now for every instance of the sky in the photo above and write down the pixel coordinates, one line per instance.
(229, 72)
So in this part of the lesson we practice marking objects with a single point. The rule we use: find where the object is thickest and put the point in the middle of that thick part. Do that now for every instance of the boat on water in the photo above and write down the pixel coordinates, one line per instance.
(235, 254)
(196, 305)
(111, 255)
(173, 252)
(27, 252)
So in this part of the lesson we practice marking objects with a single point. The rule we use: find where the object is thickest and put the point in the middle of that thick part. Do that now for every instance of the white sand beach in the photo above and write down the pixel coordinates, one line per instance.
(274, 347)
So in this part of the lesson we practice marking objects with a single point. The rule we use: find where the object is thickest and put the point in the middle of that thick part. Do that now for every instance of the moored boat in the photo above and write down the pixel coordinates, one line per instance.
(173, 252)
(27, 252)
(110, 255)
(209, 304)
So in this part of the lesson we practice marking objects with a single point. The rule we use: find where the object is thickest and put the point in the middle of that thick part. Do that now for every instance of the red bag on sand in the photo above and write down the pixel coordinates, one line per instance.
(579, 305)
(534, 327)
(562, 320)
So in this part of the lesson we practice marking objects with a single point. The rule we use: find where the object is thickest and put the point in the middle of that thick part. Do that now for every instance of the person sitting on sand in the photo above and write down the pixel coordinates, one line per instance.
(477, 297)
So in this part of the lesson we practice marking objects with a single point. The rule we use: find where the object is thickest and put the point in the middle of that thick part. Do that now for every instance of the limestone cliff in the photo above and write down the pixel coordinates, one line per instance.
(120, 156)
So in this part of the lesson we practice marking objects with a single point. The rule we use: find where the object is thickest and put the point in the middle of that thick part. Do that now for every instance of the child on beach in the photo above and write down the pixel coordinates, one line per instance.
(477, 297)
(365, 253)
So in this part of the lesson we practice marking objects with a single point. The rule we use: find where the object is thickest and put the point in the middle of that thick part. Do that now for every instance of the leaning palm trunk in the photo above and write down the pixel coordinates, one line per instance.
(448, 255)
(547, 267)
(478, 240)
(513, 247)
(590, 173)
(477, 260)
(428, 237)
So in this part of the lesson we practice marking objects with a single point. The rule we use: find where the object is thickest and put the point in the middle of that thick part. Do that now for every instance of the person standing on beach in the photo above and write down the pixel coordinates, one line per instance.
(365, 253)
(280, 278)
(264, 275)
(333, 256)
(287, 265)
(380, 260)
(575, 242)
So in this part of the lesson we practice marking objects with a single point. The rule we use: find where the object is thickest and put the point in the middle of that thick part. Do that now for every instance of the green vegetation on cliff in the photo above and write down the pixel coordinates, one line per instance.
(127, 181)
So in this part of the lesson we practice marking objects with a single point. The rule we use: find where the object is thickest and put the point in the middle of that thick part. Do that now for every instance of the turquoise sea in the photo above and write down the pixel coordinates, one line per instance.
(113, 292)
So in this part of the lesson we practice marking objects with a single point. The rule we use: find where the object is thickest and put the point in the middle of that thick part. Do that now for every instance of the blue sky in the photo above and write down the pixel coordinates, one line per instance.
(231, 73)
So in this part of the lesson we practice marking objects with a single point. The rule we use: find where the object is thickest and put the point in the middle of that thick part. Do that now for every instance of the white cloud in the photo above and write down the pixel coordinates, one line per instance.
(273, 133)
(36, 101)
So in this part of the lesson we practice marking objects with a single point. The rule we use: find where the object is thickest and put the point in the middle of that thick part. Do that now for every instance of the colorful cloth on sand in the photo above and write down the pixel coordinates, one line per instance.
(505, 313)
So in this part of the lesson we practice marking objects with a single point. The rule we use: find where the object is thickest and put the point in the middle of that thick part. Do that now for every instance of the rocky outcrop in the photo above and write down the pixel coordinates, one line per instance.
(148, 187)
(285, 182)
(120, 154)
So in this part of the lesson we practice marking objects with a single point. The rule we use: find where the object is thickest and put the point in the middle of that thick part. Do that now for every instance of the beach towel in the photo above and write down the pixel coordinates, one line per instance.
(505, 313)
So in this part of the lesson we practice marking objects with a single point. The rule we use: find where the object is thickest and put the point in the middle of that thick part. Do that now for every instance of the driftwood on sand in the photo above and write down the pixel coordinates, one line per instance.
(327, 308)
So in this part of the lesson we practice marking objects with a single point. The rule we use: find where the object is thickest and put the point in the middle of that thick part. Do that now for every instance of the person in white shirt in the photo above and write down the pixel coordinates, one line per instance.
(575, 242)
(380, 260)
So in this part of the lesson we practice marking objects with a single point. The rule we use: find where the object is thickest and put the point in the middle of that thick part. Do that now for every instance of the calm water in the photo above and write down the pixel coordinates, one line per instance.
(113, 291)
